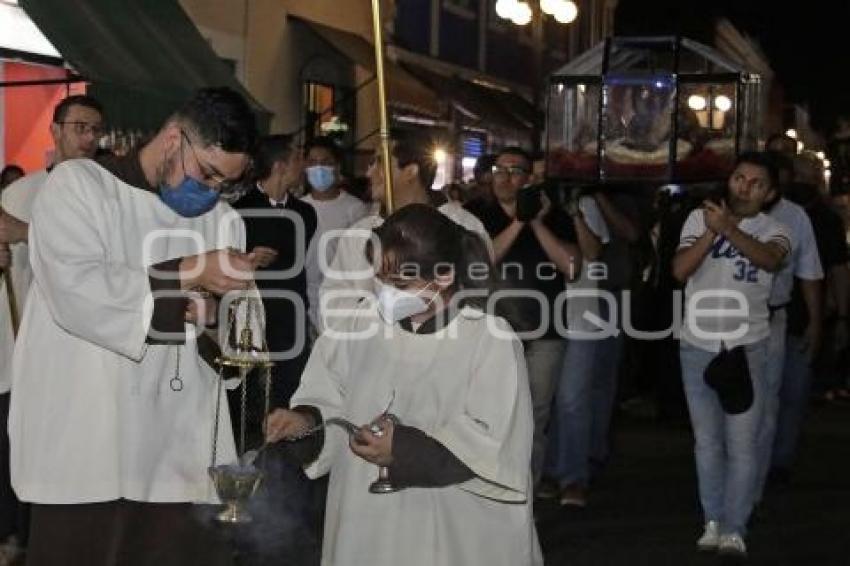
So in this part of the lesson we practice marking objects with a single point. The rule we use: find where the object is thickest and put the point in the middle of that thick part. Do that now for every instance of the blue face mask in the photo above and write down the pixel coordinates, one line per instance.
(190, 198)
(321, 177)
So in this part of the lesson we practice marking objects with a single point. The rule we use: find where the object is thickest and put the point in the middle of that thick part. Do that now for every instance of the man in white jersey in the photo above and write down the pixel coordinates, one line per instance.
(728, 253)
(350, 277)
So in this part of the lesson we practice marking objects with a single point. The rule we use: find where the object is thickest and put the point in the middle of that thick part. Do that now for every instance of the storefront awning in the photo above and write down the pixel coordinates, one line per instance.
(404, 91)
(483, 105)
(142, 58)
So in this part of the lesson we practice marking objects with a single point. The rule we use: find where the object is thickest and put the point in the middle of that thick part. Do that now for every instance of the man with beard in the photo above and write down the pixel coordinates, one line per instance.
(798, 363)
(803, 268)
(113, 416)
(728, 254)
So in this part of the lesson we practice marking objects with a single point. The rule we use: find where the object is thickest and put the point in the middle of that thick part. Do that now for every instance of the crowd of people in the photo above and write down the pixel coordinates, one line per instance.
(480, 338)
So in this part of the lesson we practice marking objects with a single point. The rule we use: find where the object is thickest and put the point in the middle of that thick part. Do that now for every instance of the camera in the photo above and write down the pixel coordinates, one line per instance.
(529, 201)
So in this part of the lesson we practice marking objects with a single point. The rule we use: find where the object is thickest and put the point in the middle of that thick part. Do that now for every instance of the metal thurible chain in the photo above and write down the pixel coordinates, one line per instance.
(176, 382)
(217, 414)
(243, 375)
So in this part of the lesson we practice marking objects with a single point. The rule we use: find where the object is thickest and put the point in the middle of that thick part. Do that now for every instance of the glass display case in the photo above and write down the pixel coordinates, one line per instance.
(658, 109)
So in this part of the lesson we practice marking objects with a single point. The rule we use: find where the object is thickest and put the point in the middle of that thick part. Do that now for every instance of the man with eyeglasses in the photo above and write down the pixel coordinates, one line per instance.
(76, 127)
(349, 278)
(535, 255)
(113, 418)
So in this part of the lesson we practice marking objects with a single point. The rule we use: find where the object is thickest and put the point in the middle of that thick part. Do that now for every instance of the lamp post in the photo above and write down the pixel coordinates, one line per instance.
(521, 14)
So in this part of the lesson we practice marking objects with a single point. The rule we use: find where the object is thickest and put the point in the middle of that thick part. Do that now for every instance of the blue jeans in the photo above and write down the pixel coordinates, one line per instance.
(570, 429)
(725, 445)
(544, 358)
(793, 400)
(773, 370)
(606, 375)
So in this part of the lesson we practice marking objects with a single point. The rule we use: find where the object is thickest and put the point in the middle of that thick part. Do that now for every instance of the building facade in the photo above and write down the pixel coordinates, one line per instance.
(453, 66)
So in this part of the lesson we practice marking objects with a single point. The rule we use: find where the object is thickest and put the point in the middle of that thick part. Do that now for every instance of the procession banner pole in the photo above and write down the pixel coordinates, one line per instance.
(13, 304)
(377, 28)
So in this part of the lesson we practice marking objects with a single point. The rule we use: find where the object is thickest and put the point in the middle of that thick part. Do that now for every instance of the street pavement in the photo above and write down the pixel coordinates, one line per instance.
(643, 507)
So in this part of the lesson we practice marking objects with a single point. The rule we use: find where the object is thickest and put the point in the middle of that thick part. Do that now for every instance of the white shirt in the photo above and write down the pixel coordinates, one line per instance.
(350, 277)
(725, 270)
(93, 417)
(17, 200)
(803, 262)
(466, 386)
(336, 214)
(578, 308)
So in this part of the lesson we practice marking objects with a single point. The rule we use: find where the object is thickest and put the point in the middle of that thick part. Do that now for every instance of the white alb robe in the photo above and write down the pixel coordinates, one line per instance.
(466, 386)
(93, 417)
(17, 200)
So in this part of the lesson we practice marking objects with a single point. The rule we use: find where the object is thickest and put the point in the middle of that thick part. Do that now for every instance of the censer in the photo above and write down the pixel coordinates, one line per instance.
(243, 349)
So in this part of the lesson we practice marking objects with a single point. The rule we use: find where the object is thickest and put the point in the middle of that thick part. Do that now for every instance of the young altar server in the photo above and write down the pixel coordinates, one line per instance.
(454, 378)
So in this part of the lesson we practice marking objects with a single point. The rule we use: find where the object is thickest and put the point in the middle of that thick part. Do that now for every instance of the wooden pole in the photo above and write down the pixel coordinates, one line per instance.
(13, 303)
(377, 28)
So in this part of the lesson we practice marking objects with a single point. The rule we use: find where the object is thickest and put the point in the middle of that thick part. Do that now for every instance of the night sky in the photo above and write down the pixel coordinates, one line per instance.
(808, 43)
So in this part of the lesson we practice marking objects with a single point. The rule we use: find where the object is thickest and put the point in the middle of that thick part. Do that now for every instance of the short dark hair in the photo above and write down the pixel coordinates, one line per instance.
(8, 171)
(327, 143)
(781, 162)
(269, 150)
(761, 159)
(61, 110)
(220, 116)
(416, 149)
(516, 150)
(779, 137)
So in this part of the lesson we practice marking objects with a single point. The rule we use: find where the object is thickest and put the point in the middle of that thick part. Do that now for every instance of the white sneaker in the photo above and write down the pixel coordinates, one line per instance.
(710, 538)
(732, 544)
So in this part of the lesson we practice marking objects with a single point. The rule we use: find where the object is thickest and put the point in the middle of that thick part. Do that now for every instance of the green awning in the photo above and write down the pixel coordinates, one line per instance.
(143, 57)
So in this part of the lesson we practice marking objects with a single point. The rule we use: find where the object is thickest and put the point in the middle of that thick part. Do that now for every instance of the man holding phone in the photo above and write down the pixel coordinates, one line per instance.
(535, 254)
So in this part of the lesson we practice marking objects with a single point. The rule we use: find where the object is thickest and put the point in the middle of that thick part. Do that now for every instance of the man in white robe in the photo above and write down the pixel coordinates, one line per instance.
(349, 277)
(112, 420)
(77, 124)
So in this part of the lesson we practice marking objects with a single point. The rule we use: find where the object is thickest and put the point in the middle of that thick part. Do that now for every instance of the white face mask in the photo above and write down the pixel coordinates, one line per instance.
(395, 305)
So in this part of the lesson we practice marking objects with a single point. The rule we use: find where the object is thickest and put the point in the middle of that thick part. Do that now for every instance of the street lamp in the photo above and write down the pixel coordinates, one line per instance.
(567, 12)
(696, 102)
(505, 8)
(520, 13)
(723, 103)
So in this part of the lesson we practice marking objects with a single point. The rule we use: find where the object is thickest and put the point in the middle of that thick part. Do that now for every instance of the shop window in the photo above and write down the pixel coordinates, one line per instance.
(321, 108)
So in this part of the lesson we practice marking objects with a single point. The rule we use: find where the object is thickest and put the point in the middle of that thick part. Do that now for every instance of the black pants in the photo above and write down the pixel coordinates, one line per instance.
(14, 515)
(126, 533)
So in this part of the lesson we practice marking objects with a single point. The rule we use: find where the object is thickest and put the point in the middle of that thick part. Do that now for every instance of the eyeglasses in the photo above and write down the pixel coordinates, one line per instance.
(502, 171)
(209, 173)
(82, 128)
